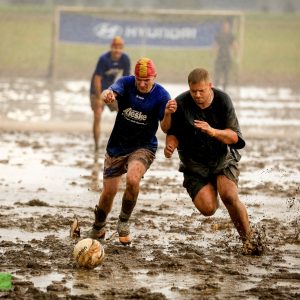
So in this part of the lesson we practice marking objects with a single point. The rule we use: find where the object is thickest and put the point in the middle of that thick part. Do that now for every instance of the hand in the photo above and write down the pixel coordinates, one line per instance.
(204, 127)
(171, 107)
(108, 96)
(168, 151)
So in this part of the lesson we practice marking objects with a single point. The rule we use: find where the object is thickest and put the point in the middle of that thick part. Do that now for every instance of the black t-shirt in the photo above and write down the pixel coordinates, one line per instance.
(197, 146)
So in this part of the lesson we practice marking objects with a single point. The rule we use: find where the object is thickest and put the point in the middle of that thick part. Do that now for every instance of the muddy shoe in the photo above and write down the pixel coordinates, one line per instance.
(124, 233)
(96, 233)
(255, 244)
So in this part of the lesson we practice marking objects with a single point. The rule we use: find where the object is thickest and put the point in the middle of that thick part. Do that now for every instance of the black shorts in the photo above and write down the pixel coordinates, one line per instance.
(195, 182)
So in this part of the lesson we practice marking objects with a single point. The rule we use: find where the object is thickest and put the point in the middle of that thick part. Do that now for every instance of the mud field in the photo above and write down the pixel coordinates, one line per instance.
(47, 178)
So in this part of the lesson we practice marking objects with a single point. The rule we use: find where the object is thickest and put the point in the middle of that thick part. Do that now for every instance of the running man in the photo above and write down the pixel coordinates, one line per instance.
(111, 65)
(206, 132)
(132, 145)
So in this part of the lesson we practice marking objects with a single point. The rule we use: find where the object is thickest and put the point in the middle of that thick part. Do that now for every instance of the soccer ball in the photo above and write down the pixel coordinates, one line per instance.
(88, 253)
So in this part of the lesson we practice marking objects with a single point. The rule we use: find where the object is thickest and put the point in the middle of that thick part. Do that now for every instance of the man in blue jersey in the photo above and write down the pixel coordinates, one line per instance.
(206, 132)
(132, 145)
(111, 65)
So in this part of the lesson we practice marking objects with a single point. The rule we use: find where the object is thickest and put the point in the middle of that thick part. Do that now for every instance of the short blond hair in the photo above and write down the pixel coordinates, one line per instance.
(199, 75)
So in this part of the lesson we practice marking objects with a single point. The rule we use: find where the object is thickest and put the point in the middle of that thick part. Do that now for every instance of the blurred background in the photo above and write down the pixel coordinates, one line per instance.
(40, 69)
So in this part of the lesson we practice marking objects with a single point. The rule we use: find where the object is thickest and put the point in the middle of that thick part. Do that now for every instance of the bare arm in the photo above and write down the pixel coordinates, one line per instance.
(171, 145)
(165, 123)
(226, 136)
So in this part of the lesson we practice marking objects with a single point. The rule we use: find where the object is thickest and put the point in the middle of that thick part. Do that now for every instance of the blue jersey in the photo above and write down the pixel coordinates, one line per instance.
(110, 70)
(138, 117)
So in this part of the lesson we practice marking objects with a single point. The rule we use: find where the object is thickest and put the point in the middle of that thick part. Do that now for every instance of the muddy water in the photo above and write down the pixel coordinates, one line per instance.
(47, 178)
(30, 100)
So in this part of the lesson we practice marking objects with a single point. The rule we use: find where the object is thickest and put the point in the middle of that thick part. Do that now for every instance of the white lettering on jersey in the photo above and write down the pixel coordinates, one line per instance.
(134, 115)
(114, 72)
(140, 97)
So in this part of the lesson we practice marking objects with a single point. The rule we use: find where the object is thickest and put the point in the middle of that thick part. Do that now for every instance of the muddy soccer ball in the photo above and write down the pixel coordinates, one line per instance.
(88, 253)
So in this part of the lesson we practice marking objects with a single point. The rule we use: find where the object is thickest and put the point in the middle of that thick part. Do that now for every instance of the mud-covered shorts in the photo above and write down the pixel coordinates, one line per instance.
(117, 166)
(195, 182)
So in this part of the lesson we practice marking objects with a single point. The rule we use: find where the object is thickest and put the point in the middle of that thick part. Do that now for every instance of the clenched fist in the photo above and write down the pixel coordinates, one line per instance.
(108, 96)
(171, 106)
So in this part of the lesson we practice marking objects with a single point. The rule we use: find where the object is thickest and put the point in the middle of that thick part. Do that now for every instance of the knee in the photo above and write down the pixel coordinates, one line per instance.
(229, 198)
(207, 207)
(209, 210)
(132, 183)
(109, 192)
(227, 190)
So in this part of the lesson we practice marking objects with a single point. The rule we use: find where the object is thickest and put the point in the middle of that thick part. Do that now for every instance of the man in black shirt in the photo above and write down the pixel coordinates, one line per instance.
(206, 133)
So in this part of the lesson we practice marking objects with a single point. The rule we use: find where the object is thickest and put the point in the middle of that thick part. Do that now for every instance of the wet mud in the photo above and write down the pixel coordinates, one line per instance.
(48, 178)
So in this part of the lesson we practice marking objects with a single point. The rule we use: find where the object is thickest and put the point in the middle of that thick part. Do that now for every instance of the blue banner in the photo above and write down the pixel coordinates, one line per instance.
(77, 28)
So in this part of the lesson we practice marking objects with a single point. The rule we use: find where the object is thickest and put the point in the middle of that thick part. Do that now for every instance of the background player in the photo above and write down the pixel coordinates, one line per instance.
(111, 65)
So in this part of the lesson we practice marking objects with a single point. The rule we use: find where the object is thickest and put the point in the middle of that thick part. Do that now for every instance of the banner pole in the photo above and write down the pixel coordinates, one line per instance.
(53, 60)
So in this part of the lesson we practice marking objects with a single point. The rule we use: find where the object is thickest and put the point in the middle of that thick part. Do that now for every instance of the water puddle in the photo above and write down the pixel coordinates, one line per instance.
(29, 100)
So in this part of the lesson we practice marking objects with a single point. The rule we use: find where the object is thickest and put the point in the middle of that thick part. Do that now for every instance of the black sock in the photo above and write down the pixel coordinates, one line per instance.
(100, 217)
(127, 208)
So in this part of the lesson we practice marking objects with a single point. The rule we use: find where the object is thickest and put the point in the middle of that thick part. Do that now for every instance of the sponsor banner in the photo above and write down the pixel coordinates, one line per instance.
(78, 28)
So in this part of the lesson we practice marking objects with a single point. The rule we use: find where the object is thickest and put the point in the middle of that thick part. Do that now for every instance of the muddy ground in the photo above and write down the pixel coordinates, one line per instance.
(49, 174)
(48, 177)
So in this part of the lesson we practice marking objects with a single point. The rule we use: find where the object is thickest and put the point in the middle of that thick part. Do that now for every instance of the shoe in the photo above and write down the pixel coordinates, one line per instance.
(124, 233)
(96, 233)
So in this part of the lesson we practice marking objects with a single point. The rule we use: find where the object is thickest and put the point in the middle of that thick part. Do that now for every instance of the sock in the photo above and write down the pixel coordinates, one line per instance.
(100, 217)
(127, 208)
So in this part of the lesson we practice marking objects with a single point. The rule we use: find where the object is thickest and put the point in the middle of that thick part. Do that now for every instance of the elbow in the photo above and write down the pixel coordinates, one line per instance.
(238, 142)
(235, 139)
(232, 139)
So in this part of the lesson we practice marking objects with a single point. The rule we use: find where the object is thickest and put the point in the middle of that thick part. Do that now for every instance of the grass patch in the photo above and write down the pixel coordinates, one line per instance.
(272, 45)
(26, 43)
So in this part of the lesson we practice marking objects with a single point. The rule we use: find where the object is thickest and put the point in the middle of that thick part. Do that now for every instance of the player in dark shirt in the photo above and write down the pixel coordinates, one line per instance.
(205, 130)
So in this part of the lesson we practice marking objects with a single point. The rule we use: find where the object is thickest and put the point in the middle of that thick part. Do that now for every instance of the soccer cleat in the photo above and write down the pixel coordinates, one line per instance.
(96, 233)
(124, 233)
